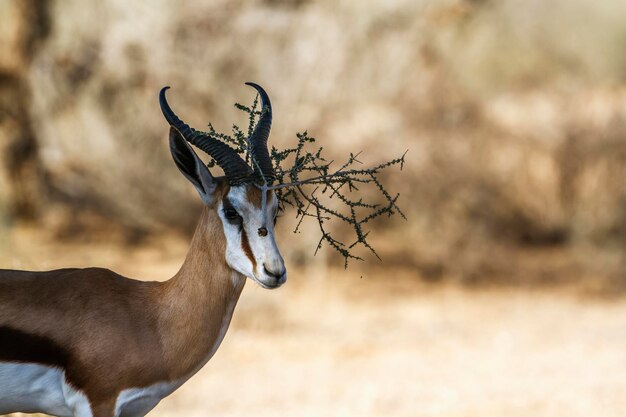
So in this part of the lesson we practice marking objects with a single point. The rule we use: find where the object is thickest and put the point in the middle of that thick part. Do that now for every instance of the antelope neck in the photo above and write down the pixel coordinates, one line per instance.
(198, 302)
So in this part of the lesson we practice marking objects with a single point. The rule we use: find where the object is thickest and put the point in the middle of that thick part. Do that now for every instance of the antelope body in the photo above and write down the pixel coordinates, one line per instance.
(92, 343)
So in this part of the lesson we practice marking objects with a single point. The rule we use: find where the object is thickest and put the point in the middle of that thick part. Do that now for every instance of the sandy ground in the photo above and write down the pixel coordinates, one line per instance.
(331, 345)
(313, 351)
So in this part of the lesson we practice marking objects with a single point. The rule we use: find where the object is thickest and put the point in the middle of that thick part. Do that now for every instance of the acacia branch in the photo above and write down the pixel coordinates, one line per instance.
(336, 203)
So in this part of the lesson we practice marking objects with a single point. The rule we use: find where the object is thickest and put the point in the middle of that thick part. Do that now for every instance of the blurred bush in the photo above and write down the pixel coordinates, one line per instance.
(514, 114)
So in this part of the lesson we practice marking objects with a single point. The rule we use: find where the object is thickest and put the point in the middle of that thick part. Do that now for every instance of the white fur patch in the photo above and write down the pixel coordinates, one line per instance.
(264, 248)
(35, 388)
(137, 402)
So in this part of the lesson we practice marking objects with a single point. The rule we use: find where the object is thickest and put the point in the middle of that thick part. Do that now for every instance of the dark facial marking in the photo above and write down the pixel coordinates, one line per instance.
(234, 218)
(262, 231)
(231, 214)
(245, 246)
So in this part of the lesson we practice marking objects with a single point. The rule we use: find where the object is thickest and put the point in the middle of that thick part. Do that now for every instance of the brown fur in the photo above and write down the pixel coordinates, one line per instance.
(255, 196)
(121, 333)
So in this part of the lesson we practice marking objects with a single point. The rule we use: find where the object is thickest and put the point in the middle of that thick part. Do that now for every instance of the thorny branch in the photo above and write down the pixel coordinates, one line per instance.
(325, 194)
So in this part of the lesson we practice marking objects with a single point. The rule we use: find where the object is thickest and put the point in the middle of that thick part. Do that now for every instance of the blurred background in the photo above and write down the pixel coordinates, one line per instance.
(502, 294)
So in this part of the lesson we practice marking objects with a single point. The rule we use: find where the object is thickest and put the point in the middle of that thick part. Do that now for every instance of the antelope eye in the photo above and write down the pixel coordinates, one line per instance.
(231, 214)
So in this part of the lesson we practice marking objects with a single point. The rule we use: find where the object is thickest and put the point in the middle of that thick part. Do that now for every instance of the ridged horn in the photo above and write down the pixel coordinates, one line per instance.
(258, 139)
(235, 168)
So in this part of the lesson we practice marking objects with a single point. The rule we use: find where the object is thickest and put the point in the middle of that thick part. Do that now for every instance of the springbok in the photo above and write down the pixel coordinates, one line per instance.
(90, 342)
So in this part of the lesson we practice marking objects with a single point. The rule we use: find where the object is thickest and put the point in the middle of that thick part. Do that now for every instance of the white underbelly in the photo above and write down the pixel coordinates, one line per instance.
(34, 388)
(31, 388)
(139, 401)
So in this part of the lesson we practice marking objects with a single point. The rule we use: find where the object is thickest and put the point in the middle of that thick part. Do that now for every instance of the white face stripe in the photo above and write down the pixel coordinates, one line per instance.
(263, 249)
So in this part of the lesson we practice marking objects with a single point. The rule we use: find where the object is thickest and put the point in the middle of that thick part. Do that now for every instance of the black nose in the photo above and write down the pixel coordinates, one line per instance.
(277, 275)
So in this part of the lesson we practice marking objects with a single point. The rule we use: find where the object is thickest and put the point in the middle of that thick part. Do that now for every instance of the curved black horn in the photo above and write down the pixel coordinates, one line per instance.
(235, 168)
(258, 139)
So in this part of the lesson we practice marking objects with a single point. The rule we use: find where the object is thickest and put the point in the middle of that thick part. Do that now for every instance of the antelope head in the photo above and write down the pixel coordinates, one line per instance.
(247, 211)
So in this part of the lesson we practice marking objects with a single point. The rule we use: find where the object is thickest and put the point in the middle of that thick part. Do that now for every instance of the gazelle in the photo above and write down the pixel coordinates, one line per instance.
(90, 342)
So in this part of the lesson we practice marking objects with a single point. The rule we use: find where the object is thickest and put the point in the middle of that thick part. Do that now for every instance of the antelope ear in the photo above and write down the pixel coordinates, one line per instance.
(192, 167)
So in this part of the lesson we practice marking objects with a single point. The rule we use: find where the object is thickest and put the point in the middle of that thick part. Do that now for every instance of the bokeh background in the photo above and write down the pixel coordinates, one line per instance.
(502, 294)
